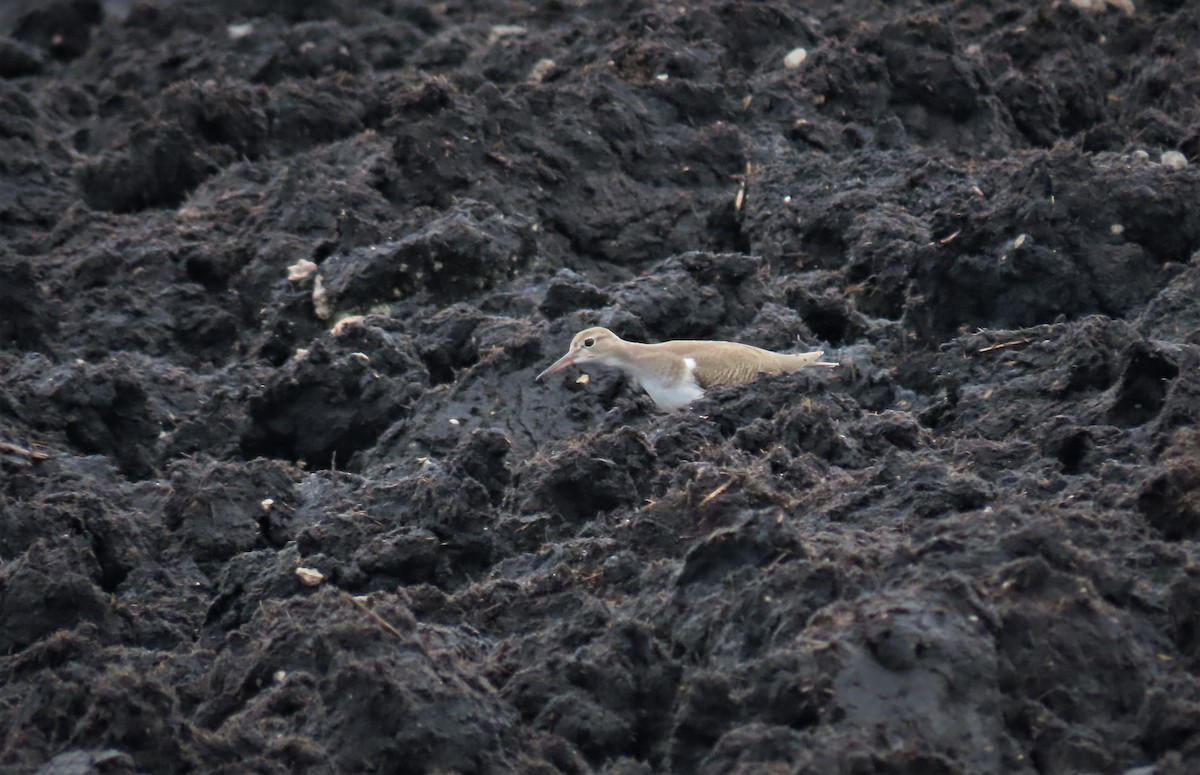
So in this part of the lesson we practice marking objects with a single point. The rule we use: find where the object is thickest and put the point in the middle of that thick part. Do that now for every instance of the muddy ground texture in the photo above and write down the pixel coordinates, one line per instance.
(329, 523)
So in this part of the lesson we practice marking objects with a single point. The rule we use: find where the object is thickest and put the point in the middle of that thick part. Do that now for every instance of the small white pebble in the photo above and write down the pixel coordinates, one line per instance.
(239, 31)
(1117, 229)
(1174, 160)
(1141, 155)
(266, 504)
(310, 577)
(455, 421)
(501, 31)
(540, 70)
(301, 270)
(346, 323)
(1020, 240)
(1099, 6)
(662, 77)
(794, 58)
(320, 300)
(787, 198)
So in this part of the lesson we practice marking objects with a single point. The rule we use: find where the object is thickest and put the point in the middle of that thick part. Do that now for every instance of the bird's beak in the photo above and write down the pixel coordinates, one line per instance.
(557, 366)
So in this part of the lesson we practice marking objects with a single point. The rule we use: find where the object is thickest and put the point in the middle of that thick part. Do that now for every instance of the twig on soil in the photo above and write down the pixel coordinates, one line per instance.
(720, 489)
(384, 623)
(951, 238)
(740, 199)
(778, 559)
(1002, 345)
(29, 453)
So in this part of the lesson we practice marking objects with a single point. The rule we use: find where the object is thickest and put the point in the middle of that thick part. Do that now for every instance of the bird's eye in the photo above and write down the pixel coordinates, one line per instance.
(589, 342)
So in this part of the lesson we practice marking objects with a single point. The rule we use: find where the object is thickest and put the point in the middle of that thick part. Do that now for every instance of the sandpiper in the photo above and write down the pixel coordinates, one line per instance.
(677, 373)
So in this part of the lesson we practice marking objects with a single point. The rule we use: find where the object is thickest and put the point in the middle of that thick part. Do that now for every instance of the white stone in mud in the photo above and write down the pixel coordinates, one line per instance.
(1173, 160)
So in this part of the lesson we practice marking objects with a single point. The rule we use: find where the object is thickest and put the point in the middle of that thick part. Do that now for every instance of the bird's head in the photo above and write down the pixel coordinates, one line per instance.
(591, 345)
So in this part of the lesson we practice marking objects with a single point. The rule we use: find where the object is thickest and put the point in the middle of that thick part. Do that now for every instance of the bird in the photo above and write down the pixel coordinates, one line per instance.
(676, 373)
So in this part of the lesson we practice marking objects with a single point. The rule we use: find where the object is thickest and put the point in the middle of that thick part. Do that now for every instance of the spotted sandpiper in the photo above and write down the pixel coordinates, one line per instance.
(677, 373)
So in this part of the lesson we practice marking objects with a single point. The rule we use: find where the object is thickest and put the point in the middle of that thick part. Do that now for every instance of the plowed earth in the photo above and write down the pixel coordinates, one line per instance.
(971, 549)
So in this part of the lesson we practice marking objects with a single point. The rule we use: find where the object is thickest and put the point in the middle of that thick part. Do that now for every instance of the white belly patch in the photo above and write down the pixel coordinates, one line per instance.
(674, 395)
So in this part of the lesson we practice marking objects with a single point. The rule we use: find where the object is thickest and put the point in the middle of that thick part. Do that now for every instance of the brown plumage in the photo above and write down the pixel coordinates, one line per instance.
(677, 373)
(733, 363)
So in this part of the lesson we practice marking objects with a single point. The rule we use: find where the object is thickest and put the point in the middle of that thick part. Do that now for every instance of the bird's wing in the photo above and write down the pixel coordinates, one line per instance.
(733, 363)
(723, 363)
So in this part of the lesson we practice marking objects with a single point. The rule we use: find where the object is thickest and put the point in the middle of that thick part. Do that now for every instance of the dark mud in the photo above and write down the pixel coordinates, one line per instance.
(972, 549)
